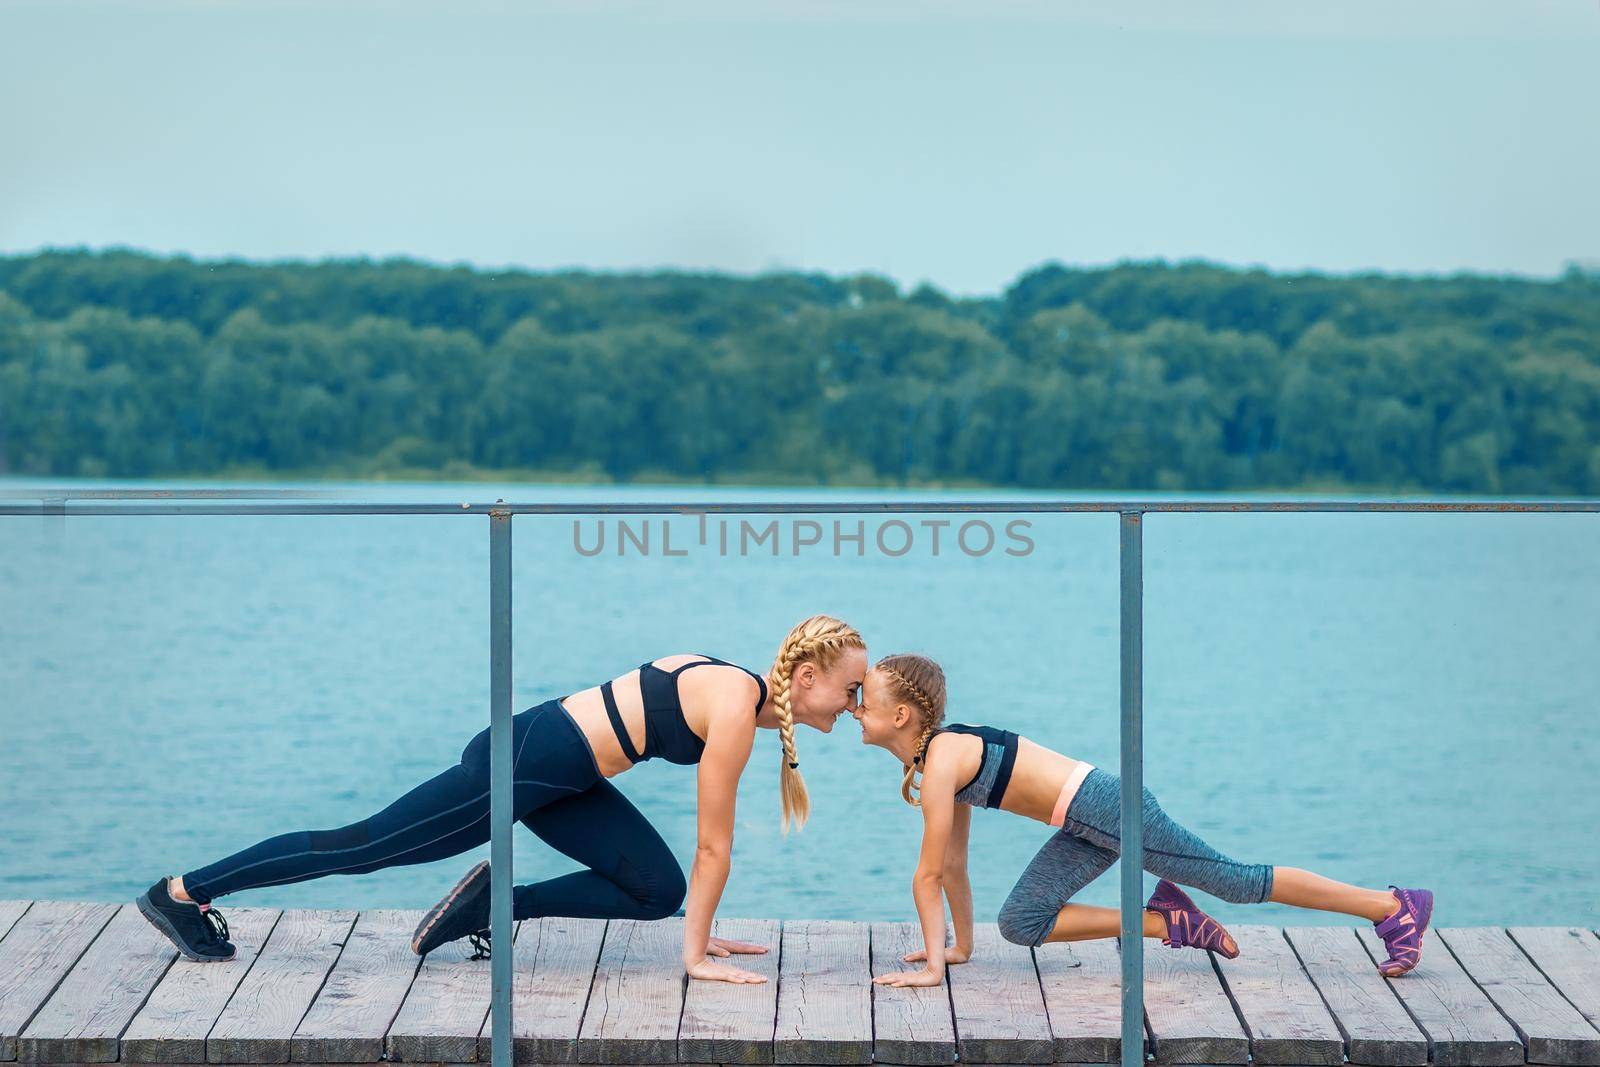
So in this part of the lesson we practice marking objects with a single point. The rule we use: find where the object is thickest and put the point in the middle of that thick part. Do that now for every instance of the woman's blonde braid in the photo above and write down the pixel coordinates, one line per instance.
(819, 639)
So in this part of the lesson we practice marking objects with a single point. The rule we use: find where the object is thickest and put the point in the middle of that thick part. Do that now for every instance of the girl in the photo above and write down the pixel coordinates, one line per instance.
(564, 753)
(902, 709)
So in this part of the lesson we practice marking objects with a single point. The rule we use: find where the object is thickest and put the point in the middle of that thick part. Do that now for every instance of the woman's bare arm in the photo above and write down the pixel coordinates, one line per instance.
(730, 737)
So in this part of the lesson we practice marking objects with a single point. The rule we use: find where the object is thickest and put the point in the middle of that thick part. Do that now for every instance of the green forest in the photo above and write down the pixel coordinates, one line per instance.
(1144, 375)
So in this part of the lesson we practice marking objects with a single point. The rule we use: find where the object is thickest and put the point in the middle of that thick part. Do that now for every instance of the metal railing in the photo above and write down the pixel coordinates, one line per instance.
(54, 502)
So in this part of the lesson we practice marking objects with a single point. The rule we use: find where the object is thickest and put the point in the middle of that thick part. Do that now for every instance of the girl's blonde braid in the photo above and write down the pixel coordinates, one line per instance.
(930, 708)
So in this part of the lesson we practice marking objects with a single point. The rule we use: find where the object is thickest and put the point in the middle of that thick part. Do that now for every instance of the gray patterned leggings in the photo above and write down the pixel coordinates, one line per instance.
(1089, 842)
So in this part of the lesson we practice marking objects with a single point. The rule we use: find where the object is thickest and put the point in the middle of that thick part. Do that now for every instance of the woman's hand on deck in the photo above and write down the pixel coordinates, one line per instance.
(923, 977)
(721, 946)
(952, 954)
(707, 971)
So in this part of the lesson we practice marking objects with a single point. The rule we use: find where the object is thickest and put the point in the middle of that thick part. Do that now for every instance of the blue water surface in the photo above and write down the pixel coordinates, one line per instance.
(1379, 698)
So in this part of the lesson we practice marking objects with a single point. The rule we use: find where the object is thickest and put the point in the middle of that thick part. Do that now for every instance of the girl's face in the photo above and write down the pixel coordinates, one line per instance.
(880, 716)
(818, 698)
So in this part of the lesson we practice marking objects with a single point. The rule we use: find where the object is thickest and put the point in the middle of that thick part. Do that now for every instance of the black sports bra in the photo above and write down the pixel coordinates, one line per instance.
(666, 732)
(988, 786)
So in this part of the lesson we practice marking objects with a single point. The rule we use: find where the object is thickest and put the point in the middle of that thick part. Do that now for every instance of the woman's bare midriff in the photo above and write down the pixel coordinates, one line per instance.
(588, 709)
(1036, 780)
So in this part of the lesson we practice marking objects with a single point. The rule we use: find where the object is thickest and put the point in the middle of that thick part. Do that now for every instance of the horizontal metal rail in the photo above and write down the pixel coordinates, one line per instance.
(826, 507)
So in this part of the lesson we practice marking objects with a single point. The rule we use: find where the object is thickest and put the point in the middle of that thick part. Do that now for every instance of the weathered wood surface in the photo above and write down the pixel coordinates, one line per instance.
(1082, 984)
(728, 1023)
(1462, 1025)
(259, 1022)
(1191, 1019)
(1551, 1029)
(552, 974)
(913, 1025)
(85, 1016)
(444, 1010)
(998, 1006)
(1288, 1021)
(173, 1024)
(636, 1000)
(362, 994)
(37, 952)
(1375, 1025)
(85, 983)
(1570, 959)
(824, 994)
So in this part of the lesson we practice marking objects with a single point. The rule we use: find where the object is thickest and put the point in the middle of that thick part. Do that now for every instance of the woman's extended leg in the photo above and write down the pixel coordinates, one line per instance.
(446, 815)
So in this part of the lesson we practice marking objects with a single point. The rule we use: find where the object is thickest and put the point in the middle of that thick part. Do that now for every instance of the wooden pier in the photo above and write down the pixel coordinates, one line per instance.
(95, 983)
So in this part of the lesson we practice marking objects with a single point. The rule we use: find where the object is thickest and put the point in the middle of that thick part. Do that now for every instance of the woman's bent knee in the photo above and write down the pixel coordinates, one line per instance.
(664, 894)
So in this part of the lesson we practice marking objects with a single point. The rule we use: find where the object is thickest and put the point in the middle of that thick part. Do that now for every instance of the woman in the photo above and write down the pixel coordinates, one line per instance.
(902, 711)
(687, 708)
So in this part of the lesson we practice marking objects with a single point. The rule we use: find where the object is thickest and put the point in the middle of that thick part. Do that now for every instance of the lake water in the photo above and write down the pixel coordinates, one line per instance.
(1380, 698)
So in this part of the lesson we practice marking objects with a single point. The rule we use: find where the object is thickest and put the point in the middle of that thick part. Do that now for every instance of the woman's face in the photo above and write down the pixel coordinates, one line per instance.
(817, 698)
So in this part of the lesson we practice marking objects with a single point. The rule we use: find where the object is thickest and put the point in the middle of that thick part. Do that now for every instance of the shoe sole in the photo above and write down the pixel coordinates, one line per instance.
(435, 913)
(162, 923)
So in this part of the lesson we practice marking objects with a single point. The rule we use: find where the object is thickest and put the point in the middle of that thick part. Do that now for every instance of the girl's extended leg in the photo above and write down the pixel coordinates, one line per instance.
(1090, 842)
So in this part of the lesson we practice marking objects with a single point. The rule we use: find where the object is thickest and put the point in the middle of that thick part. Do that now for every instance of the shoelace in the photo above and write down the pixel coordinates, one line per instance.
(218, 924)
(480, 945)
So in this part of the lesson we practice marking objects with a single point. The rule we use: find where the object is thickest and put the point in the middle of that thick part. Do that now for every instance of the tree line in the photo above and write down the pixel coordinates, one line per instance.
(1142, 375)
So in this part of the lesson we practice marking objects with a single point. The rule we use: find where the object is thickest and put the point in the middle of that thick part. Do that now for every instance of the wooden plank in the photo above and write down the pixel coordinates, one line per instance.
(1460, 1022)
(734, 1024)
(445, 1008)
(824, 994)
(10, 912)
(1287, 1020)
(1082, 986)
(1552, 1030)
(910, 1025)
(258, 1024)
(363, 992)
(1374, 1023)
(36, 954)
(552, 973)
(173, 1024)
(998, 1007)
(1191, 1018)
(1570, 958)
(636, 998)
(94, 1003)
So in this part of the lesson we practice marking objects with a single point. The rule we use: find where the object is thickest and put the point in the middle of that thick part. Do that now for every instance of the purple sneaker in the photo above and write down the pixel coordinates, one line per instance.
(1187, 925)
(1402, 931)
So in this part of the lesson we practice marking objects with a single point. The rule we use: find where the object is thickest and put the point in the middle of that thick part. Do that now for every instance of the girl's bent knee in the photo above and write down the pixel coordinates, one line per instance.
(1021, 927)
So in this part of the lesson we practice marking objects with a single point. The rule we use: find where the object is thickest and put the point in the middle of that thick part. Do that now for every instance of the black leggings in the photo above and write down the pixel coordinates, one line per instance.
(558, 793)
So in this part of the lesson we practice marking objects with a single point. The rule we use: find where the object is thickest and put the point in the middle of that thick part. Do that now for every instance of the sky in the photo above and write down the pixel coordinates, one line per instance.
(954, 143)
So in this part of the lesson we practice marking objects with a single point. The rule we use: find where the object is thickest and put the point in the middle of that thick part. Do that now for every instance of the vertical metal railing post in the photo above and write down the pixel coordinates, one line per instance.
(1132, 600)
(500, 783)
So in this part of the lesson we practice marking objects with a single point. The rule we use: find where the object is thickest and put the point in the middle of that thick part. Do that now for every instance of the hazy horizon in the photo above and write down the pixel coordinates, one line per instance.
(954, 143)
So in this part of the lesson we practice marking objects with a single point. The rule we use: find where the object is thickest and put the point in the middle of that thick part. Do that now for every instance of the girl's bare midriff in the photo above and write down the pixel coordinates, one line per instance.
(1036, 780)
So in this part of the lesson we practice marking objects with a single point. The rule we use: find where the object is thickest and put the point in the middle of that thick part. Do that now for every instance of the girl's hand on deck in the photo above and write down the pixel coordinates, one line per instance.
(951, 955)
(721, 946)
(909, 978)
(707, 971)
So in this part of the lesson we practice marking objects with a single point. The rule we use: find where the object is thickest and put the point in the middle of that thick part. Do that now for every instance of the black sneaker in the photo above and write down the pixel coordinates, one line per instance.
(201, 933)
(464, 912)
